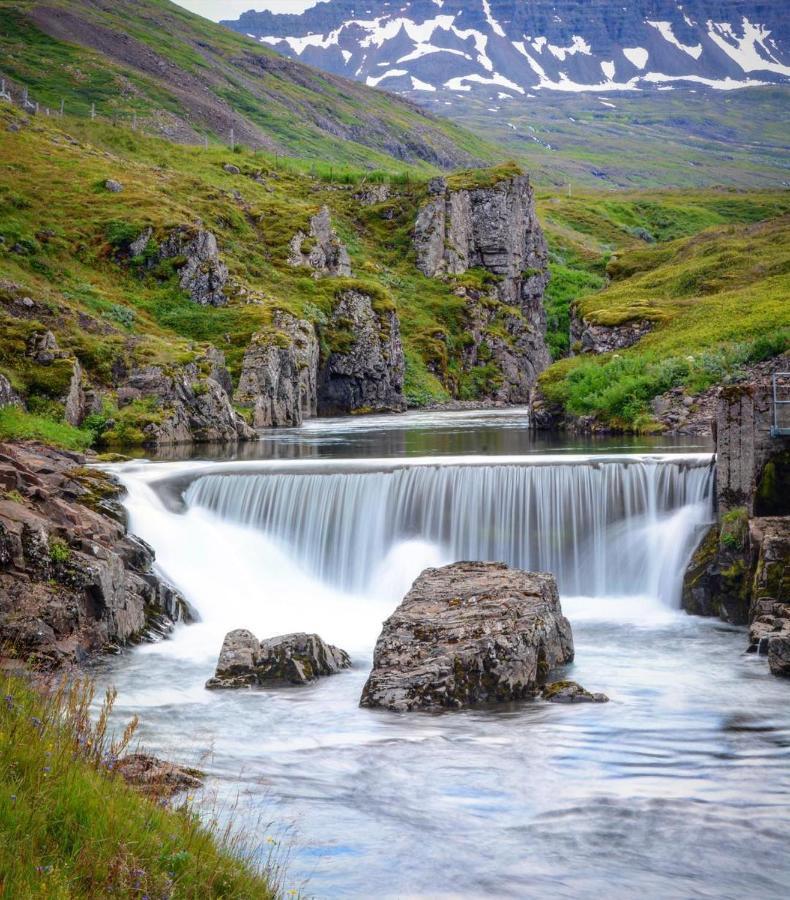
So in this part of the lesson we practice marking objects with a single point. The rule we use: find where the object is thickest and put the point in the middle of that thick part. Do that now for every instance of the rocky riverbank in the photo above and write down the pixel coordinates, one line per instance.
(741, 570)
(73, 581)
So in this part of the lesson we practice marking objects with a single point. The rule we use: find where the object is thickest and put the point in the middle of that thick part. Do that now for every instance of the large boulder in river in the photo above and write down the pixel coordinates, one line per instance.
(299, 658)
(469, 633)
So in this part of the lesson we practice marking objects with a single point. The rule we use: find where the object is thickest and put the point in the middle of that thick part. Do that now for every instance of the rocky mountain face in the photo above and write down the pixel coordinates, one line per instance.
(507, 48)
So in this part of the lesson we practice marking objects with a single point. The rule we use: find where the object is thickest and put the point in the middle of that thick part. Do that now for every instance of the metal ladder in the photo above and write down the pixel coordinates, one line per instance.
(781, 402)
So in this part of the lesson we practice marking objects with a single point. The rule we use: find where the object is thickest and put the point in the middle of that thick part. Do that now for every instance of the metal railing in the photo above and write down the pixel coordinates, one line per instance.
(781, 404)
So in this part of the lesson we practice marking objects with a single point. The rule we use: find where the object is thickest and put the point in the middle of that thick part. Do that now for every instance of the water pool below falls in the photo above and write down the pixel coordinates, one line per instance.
(679, 787)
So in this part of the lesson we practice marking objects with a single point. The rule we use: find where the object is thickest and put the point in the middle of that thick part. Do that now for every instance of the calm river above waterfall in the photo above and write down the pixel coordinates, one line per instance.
(679, 787)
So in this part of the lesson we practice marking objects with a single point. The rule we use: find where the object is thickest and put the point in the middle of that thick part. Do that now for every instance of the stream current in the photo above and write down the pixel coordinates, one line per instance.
(679, 787)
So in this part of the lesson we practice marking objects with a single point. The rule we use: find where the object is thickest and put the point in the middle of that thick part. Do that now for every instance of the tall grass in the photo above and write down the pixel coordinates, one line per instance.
(70, 827)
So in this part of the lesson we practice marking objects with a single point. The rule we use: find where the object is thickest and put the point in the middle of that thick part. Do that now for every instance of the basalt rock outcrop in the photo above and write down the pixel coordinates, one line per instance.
(244, 661)
(279, 375)
(494, 229)
(741, 570)
(364, 366)
(190, 403)
(195, 255)
(469, 633)
(590, 337)
(769, 613)
(321, 250)
(72, 580)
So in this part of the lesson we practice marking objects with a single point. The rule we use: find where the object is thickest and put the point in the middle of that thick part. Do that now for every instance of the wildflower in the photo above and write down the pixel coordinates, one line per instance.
(47, 769)
(37, 723)
(9, 701)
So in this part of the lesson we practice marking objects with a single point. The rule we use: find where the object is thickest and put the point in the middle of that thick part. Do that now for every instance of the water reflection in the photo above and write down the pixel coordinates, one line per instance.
(489, 432)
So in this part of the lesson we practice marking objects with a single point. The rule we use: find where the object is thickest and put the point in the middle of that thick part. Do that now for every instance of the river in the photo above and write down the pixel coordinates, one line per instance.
(679, 787)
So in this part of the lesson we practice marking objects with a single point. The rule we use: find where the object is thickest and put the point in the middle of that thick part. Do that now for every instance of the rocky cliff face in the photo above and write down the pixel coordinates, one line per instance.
(191, 405)
(588, 337)
(741, 571)
(494, 229)
(364, 366)
(279, 374)
(201, 271)
(72, 581)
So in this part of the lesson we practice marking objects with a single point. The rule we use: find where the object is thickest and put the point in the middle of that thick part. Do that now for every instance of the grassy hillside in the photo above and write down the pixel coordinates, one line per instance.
(65, 244)
(70, 827)
(718, 300)
(644, 139)
(178, 75)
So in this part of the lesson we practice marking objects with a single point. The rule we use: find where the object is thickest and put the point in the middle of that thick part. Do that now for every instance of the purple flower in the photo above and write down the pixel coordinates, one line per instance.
(9, 701)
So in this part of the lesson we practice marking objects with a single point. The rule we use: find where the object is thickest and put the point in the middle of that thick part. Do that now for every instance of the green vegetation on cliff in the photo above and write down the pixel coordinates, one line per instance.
(710, 272)
(70, 827)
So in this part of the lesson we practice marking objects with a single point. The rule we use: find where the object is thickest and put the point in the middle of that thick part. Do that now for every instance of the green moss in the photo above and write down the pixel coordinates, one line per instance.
(18, 425)
(59, 551)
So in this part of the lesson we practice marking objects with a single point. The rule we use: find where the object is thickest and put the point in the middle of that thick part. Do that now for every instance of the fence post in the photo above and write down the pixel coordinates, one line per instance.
(232, 139)
(93, 110)
(205, 142)
(62, 105)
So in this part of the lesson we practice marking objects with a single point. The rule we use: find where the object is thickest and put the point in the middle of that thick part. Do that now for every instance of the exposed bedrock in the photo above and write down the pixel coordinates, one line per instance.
(469, 633)
(363, 366)
(279, 374)
(321, 250)
(191, 403)
(298, 659)
(494, 229)
(590, 337)
(741, 570)
(72, 580)
(201, 271)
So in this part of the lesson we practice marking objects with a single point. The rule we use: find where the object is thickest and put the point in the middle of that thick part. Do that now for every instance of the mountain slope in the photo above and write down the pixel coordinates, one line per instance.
(506, 47)
(173, 73)
(594, 93)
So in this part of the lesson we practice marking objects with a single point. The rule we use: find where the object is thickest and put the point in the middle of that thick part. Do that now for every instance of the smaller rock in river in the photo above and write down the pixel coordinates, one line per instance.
(299, 658)
(571, 692)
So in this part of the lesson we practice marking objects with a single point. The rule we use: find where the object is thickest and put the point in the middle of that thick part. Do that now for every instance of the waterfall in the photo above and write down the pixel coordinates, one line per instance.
(604, 527)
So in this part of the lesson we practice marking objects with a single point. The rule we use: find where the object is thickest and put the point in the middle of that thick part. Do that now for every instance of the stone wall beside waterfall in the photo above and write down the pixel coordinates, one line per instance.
(741, 569)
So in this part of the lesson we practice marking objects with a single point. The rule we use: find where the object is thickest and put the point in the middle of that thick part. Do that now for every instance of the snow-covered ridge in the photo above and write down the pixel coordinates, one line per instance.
(502, 47)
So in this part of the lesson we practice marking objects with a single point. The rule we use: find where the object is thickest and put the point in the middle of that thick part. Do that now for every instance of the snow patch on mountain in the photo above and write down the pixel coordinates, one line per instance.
(458, 46)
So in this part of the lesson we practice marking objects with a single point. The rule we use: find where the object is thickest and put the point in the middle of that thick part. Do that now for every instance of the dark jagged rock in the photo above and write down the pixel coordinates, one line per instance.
(769, 631)
(322, 250)
(71, 579)
(201, 272)
(194, 407)
(744, 441)
(245, 661)
(571, 692)
(741, 571)
(279, 374)
(496, 229)
(364, 368)
(469, 633)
